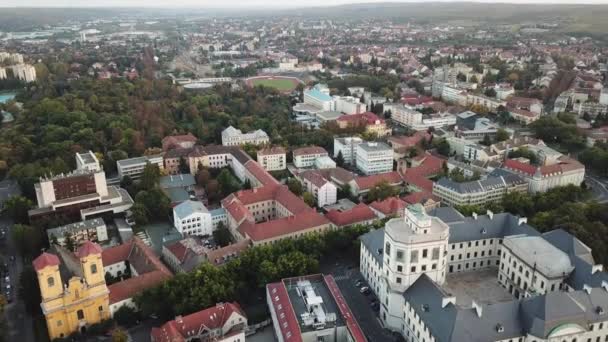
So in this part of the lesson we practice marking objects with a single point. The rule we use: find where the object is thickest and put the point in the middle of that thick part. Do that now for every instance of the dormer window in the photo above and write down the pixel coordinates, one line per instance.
(484, 231)
(500, 328)
(599, 310)
(93, 269)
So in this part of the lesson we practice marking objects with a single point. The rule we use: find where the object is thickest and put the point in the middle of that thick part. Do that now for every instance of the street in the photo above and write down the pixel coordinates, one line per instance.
(599, 187)
(20, 323)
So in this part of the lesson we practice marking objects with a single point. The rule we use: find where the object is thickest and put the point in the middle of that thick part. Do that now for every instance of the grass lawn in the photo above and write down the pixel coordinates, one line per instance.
(279, 84)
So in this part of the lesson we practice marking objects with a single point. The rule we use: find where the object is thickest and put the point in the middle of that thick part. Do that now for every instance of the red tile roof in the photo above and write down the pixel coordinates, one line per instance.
(358, 214)
(309, 150)
(128, 288)
(368, 118)
(88, 248)
(418, 176)
(181, 328)
(174, 140)
(288, 323)
(419, 197)
(315, 177)
(518, 166)
(351, 321)
(271, 150)
(412, 141)
(283, 226)
(390, 206)
(368, 182)
(257, 171)
(115, 254)
(45, 260)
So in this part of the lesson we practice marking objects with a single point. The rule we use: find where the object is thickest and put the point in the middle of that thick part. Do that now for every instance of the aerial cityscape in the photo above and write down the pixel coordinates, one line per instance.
(303, 172)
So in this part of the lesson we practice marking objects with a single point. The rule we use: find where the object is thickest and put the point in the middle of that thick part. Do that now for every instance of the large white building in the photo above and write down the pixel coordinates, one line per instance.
(323, 190)
(134, 167)
(235, 137)
(192, 218)
(305, 156)
(552, 288)
(479, 192)
(347, 147)
(374, 157)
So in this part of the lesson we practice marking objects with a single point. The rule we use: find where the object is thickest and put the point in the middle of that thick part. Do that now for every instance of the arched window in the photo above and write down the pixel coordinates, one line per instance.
(93, 268)
(50, 281)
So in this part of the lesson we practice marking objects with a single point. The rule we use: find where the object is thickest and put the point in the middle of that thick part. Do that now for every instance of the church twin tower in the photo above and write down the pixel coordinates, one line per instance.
(85, 298)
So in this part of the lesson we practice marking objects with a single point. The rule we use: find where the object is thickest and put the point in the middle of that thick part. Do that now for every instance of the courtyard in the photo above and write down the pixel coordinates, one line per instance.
(479, 286)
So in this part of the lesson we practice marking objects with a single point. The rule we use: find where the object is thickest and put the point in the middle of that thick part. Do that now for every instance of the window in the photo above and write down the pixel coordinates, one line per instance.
(435, 255)
(425, 253)
(399, 255)
(50, 281)
(80, 315)
(413, 269)
(59, 323)
(423, 268)
(414, 256)
(93, 269)
(399, 268)
(398, 280)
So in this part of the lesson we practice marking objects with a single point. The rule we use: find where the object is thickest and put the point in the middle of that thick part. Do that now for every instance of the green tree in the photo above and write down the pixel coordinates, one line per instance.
(382, 191)
(308, 198)
(29, 290)
(222, 235)
(126, 316)
(28, 240)
(486, 140)
(17, 208)
(295, 186)
(340, 159)
(502, 135)
(150, 177)
(183, 166)
(119, 335)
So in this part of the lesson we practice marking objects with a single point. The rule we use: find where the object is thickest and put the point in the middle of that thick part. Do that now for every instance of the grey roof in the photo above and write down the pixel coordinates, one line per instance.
(136, 160)
(481, 185)
(374, 146)
(177, 181)
(374, 242)
(547, 259)
(482, 227)
(541, 314)
(189, 207)
(75, 227)
(455, 323)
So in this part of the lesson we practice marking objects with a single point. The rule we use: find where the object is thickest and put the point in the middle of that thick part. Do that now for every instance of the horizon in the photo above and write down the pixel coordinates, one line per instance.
(263, 4)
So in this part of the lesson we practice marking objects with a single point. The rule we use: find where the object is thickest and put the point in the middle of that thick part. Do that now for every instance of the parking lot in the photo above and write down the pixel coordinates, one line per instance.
(346, 276)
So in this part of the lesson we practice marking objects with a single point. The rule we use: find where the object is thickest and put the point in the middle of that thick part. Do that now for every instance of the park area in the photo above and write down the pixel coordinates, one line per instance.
(280, 83)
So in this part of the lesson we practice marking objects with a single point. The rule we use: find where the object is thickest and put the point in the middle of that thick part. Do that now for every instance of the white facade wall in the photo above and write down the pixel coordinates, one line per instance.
(348, 147)
(307, 160)
(194, 224)
(374, 161)
(273, 162)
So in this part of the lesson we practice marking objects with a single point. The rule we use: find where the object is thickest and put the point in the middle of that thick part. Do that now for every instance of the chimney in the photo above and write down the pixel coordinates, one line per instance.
(597, 268)
(604, 285)
(490, 214)
(475, 215)
(478, 309)
(447, 300)
(587, 288)
(522, 220)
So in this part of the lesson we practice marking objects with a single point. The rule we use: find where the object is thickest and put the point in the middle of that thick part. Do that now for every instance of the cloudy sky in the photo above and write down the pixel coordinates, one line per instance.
(240, 3)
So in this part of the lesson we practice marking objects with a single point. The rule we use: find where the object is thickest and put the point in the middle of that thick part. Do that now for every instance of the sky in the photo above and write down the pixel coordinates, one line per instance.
(241, 3)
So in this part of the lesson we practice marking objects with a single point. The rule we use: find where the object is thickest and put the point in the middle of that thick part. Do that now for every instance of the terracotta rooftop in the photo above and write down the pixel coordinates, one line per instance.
(282, 226)
(309, 150)
(368, 182)
(359, 213)
(404, 141)
(45, 260)
(88, 248)
(186, 327)
(368, 118)
(259, 173)
(389, 206)
(271, 151)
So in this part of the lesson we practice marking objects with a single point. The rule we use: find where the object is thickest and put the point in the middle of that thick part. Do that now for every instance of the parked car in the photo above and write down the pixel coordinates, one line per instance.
(365, 290)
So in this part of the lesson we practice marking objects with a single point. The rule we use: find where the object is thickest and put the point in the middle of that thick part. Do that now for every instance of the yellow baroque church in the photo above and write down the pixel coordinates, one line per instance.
(84, 300)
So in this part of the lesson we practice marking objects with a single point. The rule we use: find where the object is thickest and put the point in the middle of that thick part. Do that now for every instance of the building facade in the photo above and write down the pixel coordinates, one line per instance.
(272, 159)
(374, 157)
(192, 218)
(347, 147)
(234, 137)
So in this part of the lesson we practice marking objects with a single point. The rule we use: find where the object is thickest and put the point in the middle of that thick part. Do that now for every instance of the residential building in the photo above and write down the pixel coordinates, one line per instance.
(479, 192)
(323, 190)
(187, 254)
(484, 101)
(374, 157)
(24, 72)
(348, 105)
(234, 137)
(134, 167)
(270, 213)
(305, 156)
(139, 264)
(347, 147)
(71, 304)
(87, 161)
(178, 141)
(325, 162)
(273, 158)
(94, 230)
(525, 103)
(544, 177)
(372, 123)
(178, 188)
(405, 115)
(224, 322)
(359, 214)
(311, 308)
(192, 218)
(523, 116)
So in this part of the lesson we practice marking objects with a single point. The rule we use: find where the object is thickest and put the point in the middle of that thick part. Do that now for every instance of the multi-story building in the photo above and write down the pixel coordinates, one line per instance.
(479, 192)
(305, 156)
(188, 254)
(84, 297)
(192, 218)
(551, 280)
(324, 191)
(541, 178)
(347, 147)
(94, 230)
(270, 213)
(77, 196)
(318, 96)
(87, 162)
(311, 308)
(273, 158)
(454, 94)
(372, 123)
(24, 72)
(178, 141)
(134, 167)
(374, 157)
(484, 101)
(405, 115)
(224, 322)
(470, 126)
(235, 137)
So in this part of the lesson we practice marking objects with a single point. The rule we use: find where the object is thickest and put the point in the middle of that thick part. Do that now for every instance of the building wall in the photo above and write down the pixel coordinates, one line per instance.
(194, 224)
(307, 160)
(273, 162)
(374, 162)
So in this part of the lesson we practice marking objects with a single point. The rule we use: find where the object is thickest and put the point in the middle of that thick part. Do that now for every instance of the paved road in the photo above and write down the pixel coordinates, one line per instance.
(360, 304)
(19, 321)
(599, 187)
